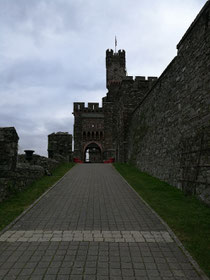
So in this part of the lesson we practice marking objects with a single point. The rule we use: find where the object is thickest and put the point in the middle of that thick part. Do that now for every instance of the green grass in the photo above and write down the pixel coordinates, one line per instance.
(188, 217)
(18, 202)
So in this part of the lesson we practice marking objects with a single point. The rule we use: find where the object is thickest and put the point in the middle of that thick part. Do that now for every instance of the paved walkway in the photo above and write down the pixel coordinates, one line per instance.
(91, 225)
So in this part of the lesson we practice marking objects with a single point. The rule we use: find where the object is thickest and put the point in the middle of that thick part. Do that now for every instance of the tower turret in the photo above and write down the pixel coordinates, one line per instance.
(115, 67)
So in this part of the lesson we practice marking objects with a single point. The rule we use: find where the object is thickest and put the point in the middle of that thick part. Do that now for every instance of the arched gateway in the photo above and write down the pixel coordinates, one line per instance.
(93, 152)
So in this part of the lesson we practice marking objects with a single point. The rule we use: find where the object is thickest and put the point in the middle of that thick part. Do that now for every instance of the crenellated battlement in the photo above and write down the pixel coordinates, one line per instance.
(113, 58)
(110, 52)
(139, 79)
(78, 106)
(143, 78)
(91, 107)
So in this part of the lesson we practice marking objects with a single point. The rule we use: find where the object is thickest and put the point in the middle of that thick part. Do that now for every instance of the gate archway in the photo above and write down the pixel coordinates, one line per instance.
(93, 152)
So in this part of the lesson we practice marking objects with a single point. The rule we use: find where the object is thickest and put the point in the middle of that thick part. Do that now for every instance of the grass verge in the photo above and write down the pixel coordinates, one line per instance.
(18, 202)
(188, 217)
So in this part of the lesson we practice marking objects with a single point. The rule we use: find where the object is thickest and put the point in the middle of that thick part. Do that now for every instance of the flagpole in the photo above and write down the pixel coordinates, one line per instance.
(115, 44)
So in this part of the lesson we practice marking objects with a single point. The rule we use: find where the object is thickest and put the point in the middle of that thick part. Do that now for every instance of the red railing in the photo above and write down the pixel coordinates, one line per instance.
(111, 160)
(77, 160)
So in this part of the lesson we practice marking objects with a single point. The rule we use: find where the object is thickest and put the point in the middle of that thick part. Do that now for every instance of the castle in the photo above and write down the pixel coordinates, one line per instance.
(94, 126)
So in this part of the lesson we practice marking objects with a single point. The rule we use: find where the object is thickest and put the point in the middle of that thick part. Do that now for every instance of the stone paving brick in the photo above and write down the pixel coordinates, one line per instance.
(91, 226)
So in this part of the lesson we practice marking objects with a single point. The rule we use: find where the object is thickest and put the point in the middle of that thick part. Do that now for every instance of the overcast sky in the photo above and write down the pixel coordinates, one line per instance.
(52, 53)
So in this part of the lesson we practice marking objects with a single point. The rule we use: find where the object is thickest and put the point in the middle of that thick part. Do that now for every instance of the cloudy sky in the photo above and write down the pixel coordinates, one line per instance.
(52, 53)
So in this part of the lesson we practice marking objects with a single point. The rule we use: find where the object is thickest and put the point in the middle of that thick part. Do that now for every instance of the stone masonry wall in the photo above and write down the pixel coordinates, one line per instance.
(169, 133)
(8, 159)
(47, 163)
(130, 93)
(195, 164)
(60, 146)
(8, 149)
(24, 175)
(19, 179)
(17, 175)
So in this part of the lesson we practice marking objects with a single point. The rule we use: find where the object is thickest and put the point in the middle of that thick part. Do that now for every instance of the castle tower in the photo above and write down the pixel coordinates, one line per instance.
(115, 67)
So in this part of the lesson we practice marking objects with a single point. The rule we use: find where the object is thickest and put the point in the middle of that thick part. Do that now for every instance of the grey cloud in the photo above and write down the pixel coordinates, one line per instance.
(41, 14)
(31, 71)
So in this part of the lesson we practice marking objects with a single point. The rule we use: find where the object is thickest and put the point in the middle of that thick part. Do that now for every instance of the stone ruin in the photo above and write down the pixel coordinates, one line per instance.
(17, 172)
(60, 146)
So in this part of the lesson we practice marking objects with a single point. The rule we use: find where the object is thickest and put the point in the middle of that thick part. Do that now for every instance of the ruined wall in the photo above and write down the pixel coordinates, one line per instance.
(8, 159)
(8, 149)
(169, 130)
(47, 163)
(60, 146)
(15, 172)
(25, 175)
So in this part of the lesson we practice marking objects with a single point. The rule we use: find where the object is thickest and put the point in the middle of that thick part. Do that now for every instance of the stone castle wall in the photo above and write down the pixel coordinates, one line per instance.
(169, 133)
(131, 92)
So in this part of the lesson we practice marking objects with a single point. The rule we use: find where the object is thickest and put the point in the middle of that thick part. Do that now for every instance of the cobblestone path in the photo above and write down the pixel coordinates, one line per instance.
(91, 225)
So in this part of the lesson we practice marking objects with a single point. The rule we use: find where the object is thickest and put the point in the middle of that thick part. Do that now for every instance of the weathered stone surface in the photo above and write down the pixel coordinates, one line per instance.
(25, 174)
(19, 179)
(6, 187)
(60, 146)
(8, 149)
(8, 159)
(47, 163)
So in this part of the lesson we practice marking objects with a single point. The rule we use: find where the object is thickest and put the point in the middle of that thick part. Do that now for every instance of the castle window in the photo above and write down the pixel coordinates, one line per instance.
(78, 106)
(97, 135)
(92, 135)
(93, 125)
(84, 135)
(101, 135)
(88, 135)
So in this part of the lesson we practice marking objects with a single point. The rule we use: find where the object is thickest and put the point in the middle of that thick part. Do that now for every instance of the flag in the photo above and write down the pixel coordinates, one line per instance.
(115, 41)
